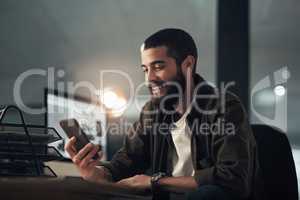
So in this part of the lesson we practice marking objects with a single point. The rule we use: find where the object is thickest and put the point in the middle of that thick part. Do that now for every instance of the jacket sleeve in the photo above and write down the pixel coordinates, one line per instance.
(232, 150)
(133, 157)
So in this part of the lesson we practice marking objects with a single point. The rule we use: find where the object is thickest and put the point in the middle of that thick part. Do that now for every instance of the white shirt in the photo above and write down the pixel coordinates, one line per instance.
(181, 135)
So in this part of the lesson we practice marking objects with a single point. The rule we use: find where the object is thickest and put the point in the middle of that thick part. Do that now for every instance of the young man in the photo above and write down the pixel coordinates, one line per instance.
(193, 138)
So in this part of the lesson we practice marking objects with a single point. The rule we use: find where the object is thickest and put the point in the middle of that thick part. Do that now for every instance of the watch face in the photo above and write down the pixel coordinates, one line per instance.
(157, 176)
(152, 179)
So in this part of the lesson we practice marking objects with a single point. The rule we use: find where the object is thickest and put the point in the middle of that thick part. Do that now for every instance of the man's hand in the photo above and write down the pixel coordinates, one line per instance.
(137, 183)
(84, 161)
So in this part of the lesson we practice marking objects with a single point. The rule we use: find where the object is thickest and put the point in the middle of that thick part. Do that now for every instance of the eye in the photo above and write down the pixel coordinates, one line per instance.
(159, 66)
(145, 69)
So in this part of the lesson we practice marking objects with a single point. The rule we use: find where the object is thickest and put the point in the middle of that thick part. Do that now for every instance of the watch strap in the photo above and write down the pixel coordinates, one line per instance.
(154, 181)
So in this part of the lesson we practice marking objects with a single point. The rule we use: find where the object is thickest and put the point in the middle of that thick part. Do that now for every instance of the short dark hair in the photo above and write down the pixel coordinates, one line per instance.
(179, 44)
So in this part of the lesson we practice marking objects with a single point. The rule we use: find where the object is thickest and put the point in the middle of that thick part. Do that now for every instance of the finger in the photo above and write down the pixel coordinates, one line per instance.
(82, 153)
(92, 164)
(70, 147)
(100, 154)
(74, 148)
(85, 161)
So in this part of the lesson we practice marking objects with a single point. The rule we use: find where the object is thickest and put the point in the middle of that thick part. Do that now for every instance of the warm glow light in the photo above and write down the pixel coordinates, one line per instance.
(109, 99)
(115, 103)
(279, 90)
(120, 107)
(121, 103)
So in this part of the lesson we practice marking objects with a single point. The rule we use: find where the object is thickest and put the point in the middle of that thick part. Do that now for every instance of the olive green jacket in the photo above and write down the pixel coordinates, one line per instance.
(223, 148)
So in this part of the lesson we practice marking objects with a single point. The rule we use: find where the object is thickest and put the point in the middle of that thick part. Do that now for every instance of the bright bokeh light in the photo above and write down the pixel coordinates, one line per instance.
(121, 103)
(110, 99)
(279, 90)
(120, 107)
(116, 104)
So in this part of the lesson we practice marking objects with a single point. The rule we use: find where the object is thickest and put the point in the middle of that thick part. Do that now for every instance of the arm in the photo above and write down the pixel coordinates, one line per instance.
(170, 184)
(233, 153)
(177, 184)
(134, 157)
(131, 159)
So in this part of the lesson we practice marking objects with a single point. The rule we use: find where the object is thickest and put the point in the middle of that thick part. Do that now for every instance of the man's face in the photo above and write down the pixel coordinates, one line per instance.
(161, 73)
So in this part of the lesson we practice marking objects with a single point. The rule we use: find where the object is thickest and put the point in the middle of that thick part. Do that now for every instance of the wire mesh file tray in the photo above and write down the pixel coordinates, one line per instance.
(24, 148)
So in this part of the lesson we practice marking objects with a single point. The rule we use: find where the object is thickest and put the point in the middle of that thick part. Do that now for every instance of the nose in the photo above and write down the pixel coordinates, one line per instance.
(150, 75)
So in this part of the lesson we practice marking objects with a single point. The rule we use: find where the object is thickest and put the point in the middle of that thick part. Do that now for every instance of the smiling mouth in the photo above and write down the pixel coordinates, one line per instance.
(156, 89)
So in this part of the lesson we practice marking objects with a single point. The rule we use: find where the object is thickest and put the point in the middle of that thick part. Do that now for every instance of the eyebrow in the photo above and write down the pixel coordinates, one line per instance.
(155, 62)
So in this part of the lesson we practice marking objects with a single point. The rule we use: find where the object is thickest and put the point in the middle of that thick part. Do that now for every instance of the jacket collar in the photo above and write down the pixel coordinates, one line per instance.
(202, 89)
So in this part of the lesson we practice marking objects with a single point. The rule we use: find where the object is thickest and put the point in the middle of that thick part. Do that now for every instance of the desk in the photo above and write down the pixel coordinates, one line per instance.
(63, 188)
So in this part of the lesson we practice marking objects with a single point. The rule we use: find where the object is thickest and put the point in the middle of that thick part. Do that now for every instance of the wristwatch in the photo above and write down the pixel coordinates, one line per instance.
(154, 180)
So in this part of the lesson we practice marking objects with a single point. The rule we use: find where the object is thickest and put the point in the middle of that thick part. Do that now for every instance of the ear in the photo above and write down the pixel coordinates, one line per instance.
(188, 65)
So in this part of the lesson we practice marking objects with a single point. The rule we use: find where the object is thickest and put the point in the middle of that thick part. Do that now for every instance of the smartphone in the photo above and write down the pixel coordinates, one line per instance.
(72, 128)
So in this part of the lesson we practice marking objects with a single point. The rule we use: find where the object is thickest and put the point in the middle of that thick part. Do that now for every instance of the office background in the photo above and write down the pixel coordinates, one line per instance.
(82, 37)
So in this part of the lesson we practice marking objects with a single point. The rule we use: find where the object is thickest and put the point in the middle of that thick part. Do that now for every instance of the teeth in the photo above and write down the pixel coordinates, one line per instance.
(156, 89)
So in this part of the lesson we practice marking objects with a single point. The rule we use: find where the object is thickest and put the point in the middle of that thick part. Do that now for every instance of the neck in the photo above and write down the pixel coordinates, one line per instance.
(182, 106)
